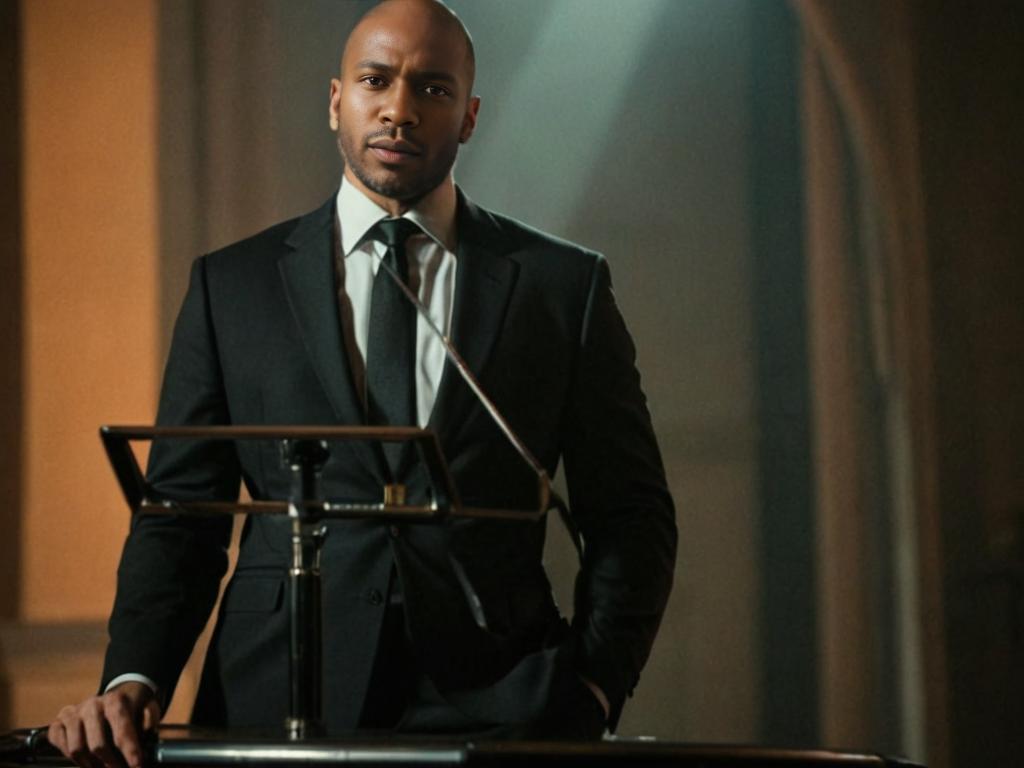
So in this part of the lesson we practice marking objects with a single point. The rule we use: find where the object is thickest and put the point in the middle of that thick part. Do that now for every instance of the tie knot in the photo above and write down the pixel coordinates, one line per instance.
(394, 232)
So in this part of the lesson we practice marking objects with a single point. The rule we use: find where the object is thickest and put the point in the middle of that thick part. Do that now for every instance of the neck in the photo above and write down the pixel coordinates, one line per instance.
(435, 211)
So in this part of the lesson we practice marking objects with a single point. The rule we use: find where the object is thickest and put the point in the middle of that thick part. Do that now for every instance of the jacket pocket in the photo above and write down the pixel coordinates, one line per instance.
(254, 595)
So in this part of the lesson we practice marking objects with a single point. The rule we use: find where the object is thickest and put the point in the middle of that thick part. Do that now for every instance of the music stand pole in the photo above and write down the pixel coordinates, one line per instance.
(305, 459)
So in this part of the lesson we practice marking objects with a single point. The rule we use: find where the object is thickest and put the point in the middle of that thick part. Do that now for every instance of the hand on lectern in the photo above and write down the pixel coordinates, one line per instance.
(105, 730)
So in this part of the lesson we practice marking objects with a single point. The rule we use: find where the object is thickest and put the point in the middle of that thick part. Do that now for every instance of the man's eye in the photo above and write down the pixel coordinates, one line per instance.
(437, 90)
(373, 81)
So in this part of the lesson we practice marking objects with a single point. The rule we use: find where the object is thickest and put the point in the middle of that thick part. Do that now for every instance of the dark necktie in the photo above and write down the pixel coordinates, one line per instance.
(391, 342)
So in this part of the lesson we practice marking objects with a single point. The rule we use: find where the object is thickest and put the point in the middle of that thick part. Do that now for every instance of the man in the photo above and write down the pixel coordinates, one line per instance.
(287, 327)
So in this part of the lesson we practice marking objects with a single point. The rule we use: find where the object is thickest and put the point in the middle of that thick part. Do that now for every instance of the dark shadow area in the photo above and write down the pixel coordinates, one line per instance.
(10, 330)
(10, 311)
(972, 119)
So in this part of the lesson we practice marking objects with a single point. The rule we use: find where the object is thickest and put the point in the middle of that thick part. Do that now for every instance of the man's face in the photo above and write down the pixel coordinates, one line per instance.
(402, 105)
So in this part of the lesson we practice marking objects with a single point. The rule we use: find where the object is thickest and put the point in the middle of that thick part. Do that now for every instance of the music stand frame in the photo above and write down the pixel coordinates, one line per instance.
(304, 451)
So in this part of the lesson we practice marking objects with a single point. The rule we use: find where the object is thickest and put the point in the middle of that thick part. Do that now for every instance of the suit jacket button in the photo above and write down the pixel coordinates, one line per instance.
(375, 597)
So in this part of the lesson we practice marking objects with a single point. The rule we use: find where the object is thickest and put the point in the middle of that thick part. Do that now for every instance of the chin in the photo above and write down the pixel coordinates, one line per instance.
(393, 188)
(393, 184)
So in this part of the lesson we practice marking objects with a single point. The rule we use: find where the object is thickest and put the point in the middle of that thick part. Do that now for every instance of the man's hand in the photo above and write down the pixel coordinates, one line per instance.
(105, 730)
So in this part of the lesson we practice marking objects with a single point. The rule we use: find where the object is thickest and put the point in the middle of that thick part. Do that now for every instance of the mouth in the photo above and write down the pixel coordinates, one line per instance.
(394, 151)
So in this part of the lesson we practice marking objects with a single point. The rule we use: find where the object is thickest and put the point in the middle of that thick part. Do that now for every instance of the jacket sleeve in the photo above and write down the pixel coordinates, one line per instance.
(620, 502)
(171, 566)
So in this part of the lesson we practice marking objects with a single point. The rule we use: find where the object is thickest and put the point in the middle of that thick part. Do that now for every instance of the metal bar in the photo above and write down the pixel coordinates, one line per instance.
(305, 458)
(333, 510)
(258, 432)
(125, 465)
(446, 497)
(297, 754)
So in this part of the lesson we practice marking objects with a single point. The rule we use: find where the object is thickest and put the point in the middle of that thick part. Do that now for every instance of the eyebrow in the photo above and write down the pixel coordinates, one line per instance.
(380, 66)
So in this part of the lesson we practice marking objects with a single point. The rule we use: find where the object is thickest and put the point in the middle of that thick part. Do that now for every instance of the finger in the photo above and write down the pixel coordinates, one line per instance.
(55, 735)
(151, 715)
(77, 750)
(97, 735)
(123, 730)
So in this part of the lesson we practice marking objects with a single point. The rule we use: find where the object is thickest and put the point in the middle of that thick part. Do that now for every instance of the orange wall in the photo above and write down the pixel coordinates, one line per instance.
(90, 287)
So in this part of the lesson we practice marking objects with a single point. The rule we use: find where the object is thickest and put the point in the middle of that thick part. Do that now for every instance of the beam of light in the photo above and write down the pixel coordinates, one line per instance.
(583, 60)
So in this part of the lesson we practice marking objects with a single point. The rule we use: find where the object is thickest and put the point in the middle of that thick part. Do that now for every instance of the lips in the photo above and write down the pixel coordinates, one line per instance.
(394, 150)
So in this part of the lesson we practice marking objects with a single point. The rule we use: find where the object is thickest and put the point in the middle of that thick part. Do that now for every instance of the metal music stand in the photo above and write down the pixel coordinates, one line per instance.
(305, 450)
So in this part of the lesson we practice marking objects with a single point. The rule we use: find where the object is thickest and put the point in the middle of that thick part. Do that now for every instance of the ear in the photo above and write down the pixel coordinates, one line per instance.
(334, 105)
(469, 119)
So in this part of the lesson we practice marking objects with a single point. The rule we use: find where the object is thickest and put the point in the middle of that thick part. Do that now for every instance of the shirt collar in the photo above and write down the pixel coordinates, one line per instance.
(434, 213)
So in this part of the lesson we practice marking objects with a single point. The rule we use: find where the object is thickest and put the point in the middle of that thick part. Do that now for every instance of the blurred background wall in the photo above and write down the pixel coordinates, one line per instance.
(811, 215)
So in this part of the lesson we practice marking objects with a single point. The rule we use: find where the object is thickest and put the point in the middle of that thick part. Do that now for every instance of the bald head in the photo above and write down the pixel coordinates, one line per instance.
(430, 15)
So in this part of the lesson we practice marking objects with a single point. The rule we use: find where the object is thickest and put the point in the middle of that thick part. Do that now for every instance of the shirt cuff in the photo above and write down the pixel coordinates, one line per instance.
(131, 677)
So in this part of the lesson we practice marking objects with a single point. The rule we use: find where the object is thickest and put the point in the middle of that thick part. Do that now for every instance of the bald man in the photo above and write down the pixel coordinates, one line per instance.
(287, 327)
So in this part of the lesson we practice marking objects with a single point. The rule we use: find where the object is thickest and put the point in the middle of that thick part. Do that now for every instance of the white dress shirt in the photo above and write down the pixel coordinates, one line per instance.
(431, 277)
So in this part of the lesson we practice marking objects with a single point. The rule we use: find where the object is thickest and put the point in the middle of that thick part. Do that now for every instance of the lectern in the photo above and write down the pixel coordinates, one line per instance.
(188, 748)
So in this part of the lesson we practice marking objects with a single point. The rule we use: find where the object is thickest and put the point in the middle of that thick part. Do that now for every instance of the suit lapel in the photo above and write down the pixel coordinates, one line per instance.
(483, 286)
(310, 285)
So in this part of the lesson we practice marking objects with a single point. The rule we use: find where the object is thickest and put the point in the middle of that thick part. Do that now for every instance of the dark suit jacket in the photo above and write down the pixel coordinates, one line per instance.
(258, 342)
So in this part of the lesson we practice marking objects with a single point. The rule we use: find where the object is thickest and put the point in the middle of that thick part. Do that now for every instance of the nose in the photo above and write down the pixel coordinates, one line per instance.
(399, 108)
